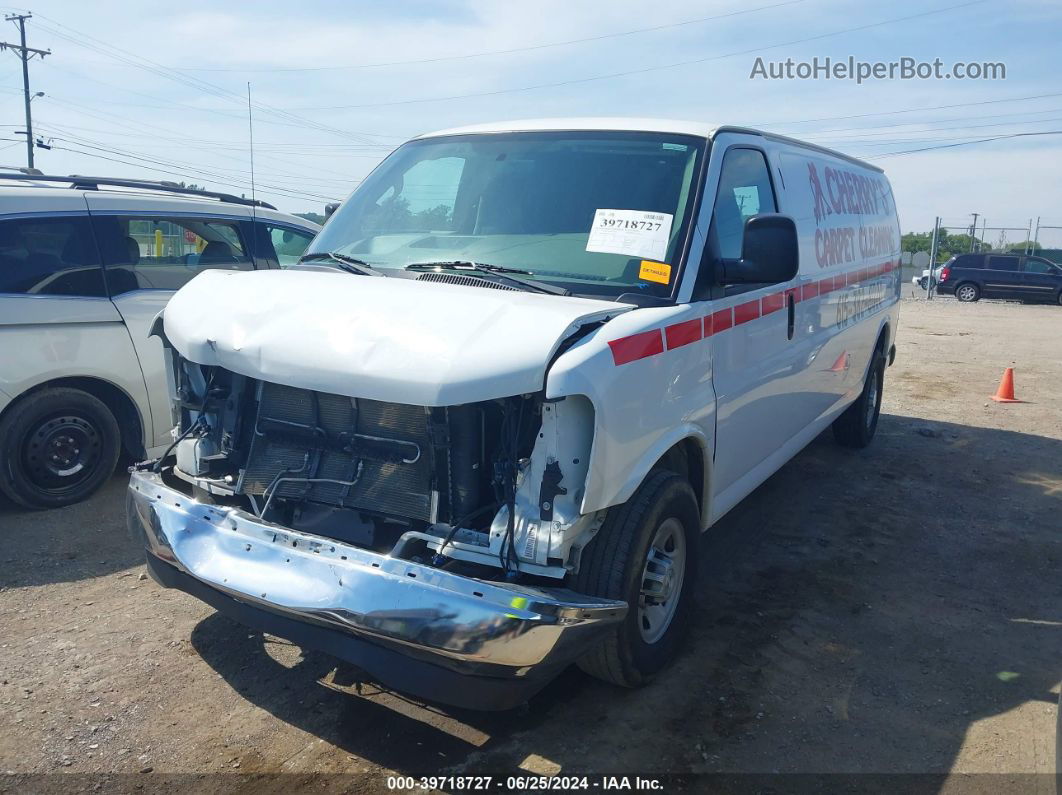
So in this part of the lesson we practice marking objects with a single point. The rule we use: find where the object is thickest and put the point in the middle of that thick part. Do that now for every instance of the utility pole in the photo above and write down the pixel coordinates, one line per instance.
(933, 259)
(973, 231)
(25, 53)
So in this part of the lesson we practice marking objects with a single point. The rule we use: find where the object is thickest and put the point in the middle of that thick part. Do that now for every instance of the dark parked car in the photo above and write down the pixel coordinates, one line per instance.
(970, 277)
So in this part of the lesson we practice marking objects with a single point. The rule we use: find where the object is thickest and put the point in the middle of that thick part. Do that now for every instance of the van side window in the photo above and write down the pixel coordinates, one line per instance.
(744, 190)
(969, 261)
(1003, 263)
(49, 256)
(163, 253)
(289, 244)
(1036, 265)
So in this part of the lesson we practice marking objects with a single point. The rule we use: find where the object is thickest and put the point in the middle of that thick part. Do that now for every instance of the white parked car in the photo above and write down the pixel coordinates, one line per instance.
(923, 280)
(86, 264)
(479, 434)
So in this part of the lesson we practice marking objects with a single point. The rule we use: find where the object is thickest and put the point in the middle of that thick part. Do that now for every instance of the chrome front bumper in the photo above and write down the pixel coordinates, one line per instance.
(394, 613)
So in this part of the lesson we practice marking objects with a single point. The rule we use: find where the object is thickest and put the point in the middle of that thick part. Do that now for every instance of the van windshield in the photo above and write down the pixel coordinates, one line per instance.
(600, 213)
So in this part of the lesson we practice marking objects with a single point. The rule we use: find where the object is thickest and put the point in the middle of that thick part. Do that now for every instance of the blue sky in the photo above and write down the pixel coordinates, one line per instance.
(160, 86)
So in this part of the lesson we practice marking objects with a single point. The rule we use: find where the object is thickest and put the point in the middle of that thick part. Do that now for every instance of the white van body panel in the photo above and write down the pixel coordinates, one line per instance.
(46, 338)
(723, 372)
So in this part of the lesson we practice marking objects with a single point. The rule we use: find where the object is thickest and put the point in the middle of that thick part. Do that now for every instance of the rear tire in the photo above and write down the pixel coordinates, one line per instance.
(923, 283)
(968, 292)
(856, 426)
(645, 554)
(57, 446)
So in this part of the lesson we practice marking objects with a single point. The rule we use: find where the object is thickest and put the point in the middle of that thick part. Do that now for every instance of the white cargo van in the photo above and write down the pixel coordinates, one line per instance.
(477, 436)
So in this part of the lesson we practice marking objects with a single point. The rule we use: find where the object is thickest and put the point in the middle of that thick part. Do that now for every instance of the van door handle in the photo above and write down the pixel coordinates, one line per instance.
(792, 313)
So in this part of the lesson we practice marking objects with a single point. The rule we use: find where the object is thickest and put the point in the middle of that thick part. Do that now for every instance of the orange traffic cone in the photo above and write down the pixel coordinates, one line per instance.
(1005, 393)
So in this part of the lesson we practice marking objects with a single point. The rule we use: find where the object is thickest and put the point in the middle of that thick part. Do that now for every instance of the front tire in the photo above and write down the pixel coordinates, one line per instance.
(646, 554)
(57, 447)
(967, 293)
(856, 426)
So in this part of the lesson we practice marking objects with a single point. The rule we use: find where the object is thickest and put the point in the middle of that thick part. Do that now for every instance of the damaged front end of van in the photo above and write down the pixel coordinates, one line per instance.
(372, 468)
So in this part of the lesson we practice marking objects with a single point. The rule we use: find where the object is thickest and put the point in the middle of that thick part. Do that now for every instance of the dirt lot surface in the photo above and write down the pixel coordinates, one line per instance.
(894, 610)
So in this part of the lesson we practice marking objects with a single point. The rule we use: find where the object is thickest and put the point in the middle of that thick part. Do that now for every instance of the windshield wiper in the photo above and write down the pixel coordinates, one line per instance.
(345, 262)
(497, 272)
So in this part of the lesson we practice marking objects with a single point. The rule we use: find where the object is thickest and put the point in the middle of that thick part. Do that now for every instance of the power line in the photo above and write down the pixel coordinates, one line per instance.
(187, 169)
(86, 41)
(907, 110)
(966, 143)
(510, 51)
(940, 129)
(647, 69)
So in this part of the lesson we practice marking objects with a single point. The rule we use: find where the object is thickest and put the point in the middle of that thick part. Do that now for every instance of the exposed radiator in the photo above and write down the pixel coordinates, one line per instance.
(384, 447)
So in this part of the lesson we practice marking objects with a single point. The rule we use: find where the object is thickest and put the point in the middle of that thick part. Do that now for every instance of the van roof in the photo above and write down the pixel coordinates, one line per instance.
(675, 126)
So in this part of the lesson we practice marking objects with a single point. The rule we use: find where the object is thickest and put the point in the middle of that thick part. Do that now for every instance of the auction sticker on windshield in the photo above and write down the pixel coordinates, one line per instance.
(636, 233)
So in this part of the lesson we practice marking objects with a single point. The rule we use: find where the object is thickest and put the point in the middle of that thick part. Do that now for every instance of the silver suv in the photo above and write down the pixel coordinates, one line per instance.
(86, 264)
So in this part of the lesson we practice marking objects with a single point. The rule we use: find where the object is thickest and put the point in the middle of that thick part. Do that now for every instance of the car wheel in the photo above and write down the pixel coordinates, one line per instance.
(923, 282)
(57, 446)
(856, 426)
(1060, 298)
(967, 293)
(646, 554)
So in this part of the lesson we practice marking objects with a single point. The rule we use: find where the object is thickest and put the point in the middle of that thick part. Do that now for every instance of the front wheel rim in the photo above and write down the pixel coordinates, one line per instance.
(873, 396)
(62, 452)
(662, 579)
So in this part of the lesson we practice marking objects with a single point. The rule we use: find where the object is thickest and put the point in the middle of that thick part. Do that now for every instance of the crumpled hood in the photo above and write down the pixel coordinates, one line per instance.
(389, 339)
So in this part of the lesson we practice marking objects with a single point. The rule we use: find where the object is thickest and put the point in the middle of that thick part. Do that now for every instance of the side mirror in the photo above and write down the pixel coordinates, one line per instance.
(769, 252)
(330, 208)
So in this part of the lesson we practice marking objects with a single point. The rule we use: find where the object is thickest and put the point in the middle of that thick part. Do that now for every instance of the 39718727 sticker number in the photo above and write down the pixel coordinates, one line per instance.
(447, 783)
(630, 223)
(633, 233)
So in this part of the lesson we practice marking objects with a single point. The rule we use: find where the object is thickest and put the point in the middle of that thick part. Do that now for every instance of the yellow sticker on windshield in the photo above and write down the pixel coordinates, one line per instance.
(658, 272)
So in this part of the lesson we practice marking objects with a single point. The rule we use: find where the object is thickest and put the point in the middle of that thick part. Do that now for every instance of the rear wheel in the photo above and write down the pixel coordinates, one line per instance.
(967, 293)
(856, 426)
(645, 554)
(923, 282)
(57, 446)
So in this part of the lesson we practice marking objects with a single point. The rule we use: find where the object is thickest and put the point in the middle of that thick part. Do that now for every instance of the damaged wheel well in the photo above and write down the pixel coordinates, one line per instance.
(686, 458)
(120, 404)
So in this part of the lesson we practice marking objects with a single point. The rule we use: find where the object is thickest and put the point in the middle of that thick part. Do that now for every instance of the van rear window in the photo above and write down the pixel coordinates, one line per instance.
(1003, 263)
(49, 256)
(969, 261)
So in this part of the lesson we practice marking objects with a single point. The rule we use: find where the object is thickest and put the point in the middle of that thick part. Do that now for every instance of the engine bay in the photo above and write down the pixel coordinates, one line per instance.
(436, 485)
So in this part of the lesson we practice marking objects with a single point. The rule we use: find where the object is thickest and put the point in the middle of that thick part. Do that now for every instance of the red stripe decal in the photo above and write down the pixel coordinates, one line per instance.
(794, 293)
(743, 313)
(826, 286)
(637, 346)
(683, 333)
(772, 303)
(839, 281)
(722, 320)
(809, 290)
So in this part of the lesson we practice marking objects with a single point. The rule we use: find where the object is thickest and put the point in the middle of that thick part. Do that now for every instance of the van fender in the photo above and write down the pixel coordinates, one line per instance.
(643, 465)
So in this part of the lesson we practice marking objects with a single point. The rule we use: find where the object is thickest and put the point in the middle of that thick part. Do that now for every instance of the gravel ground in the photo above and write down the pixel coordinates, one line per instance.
(893, 610)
